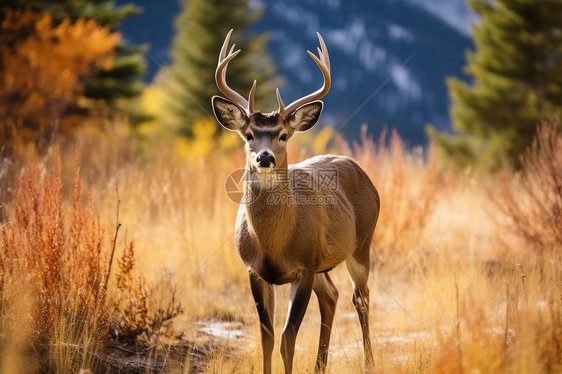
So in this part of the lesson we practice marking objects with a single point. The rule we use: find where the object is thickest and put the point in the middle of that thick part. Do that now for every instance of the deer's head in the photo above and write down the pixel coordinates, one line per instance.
(266, 134)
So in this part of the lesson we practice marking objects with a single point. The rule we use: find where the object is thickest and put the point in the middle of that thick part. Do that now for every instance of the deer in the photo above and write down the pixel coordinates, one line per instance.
(299, 238)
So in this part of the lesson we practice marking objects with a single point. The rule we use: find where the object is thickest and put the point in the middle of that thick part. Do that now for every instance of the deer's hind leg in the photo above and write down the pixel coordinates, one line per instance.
(358, 268)
(264, 297)
(327, 295)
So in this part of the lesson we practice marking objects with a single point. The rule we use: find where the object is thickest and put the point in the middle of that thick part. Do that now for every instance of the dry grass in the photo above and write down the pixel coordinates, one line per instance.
(532, 201)
(54, 300)
(56, 268)
(447, 294)
(410, 186)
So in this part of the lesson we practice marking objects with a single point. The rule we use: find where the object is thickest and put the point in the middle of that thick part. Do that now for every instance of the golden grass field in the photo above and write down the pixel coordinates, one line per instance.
(456, 287)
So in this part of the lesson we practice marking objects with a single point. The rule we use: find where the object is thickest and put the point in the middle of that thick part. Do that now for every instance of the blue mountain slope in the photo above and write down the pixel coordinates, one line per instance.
(454, 12)
(389, 58)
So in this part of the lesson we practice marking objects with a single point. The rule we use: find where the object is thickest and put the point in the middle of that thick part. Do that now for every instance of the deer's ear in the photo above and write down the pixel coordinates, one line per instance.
(306, 116)
(229, 115)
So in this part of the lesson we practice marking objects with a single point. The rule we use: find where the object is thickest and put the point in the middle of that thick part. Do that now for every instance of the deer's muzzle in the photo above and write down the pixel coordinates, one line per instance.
(265, 160)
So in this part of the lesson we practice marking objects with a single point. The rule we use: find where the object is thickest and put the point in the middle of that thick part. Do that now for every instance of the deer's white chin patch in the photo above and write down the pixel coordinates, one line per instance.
(266, 170)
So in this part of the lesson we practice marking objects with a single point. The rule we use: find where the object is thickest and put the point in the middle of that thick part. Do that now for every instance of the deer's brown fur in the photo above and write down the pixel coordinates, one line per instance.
(289, 234)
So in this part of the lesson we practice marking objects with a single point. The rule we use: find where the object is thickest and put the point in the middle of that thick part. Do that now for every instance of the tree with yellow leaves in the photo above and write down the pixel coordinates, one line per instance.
(43, 73)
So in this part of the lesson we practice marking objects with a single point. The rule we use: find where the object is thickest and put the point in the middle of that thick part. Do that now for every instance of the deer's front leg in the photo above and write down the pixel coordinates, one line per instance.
(327, 298)
(300, 295)
(264, 296)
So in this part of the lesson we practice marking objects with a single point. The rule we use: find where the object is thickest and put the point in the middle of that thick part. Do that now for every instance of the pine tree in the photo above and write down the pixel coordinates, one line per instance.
(516, 75)
(125, 79)
(201, 29)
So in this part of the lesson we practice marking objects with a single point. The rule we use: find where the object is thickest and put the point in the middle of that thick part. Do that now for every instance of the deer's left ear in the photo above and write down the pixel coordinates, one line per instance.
(229, 115)
(306, 116)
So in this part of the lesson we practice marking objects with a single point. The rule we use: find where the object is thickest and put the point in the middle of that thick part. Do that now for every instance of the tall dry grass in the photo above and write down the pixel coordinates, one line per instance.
(57, 267)
(410, 184)
(532, 201)
(454, 290)
(447, 293)
(55, 302)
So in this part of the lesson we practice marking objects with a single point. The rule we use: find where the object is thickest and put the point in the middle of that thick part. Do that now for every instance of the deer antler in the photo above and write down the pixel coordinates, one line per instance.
(323, 62)
(220, 78)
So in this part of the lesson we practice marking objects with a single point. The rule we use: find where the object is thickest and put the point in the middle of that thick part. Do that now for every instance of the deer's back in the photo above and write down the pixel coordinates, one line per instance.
(351, 181)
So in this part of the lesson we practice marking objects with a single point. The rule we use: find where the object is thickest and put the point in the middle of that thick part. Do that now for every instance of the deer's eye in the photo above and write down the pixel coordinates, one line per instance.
(283, 138)
(249, 137)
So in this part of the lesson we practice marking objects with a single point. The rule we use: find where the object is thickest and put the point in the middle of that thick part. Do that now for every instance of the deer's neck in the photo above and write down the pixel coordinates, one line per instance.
(271, 209)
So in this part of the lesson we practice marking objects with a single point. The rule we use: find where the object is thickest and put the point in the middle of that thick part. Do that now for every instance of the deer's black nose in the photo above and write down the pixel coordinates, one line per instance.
(265, 160)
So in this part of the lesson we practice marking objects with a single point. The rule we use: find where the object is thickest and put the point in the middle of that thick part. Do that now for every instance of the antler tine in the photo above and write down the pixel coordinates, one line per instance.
(281, 105)
(325, 56)
(220, 77)
(251, 98)
(224, 48)
(323, 62)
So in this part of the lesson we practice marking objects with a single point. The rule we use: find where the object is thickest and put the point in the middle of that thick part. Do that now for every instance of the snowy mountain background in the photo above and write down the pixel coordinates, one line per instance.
(454, 12)
(389, 58)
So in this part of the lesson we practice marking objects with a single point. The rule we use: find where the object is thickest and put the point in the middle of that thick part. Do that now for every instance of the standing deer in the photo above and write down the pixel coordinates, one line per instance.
(296, 235)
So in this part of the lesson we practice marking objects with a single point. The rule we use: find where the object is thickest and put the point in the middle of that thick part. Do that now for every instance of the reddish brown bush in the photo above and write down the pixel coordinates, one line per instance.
(63, 271)
(59, 266)
(142, 310)
(532, 200)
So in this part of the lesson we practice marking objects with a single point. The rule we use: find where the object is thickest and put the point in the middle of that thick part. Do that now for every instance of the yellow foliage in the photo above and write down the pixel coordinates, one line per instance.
(310, 143)
(181, 147)
(44, 67)
(321, 139)
(205, 138)
(229, 141)
(201, 144)
(153, 101)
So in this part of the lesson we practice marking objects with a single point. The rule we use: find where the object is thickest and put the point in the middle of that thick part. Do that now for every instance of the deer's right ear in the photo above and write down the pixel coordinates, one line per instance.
(306, 116)
(229, 115)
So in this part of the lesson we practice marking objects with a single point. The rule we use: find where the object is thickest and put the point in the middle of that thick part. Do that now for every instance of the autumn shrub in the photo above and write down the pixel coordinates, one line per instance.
(142, 310)
(532, 200)
(43, 70)
(61, 266)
